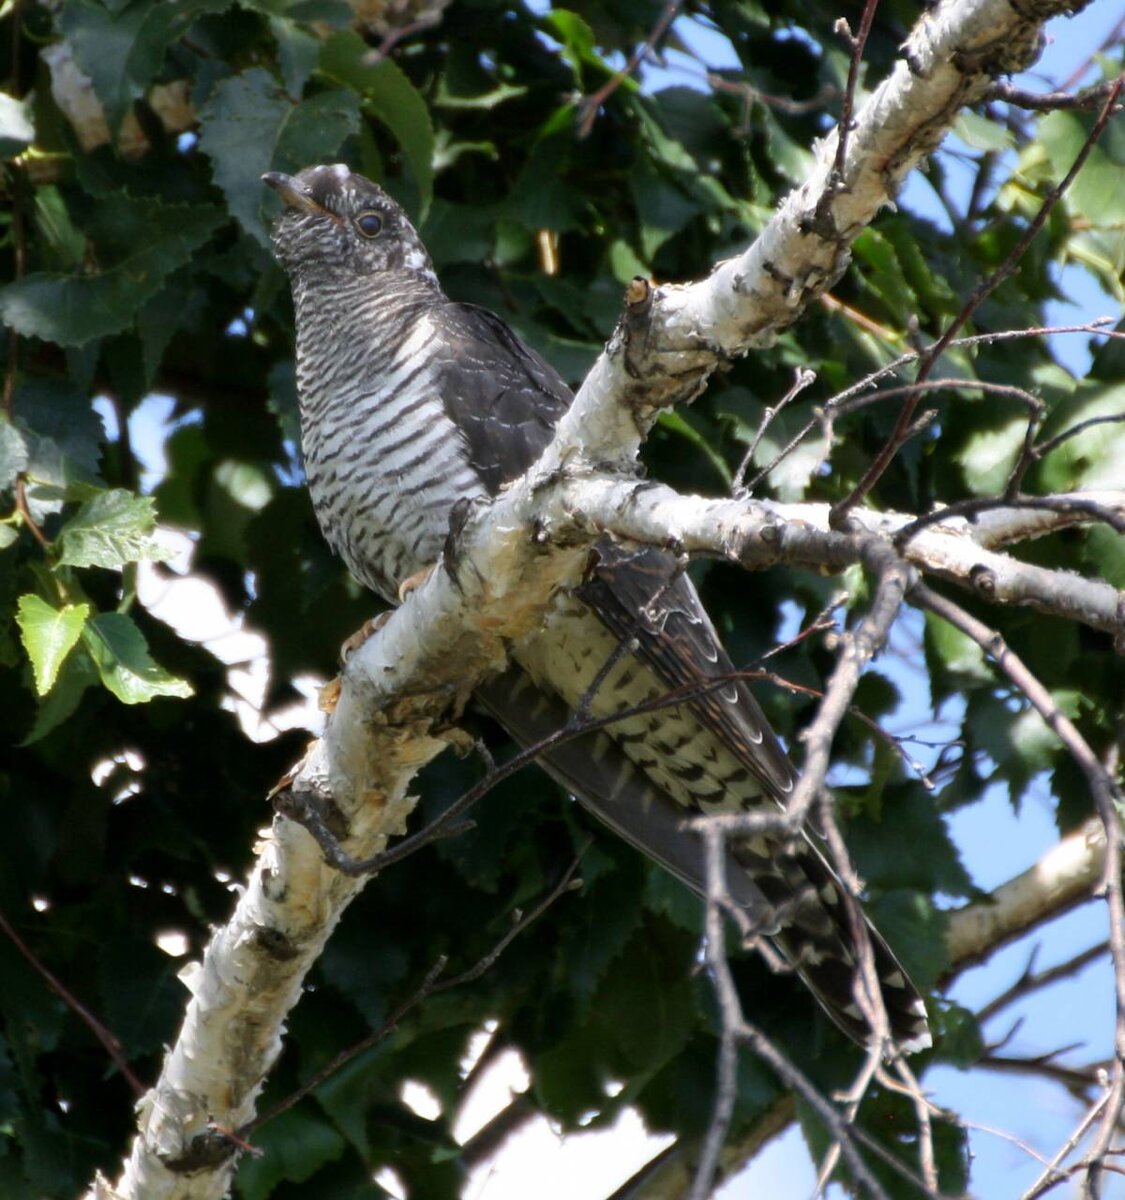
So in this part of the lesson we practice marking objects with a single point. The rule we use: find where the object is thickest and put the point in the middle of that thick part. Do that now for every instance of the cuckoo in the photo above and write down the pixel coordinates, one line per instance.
(411, 403)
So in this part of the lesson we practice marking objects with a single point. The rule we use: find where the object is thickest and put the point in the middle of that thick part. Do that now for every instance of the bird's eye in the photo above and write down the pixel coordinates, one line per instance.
(370, 224)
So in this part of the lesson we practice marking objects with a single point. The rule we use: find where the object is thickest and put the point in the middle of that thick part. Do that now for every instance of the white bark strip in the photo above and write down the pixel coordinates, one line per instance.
(761, 533)
(1067, 874)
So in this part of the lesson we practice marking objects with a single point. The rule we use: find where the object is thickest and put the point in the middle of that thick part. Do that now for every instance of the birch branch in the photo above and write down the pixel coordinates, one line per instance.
(1066, 875)
(758, 534)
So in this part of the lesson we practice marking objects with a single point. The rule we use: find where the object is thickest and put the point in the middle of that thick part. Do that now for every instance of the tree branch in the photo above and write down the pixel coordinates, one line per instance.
(402, 689)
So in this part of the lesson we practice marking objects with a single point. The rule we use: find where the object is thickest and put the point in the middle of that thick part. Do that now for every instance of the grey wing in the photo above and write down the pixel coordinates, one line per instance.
(642, 592)
(597, 772)
(503, 397)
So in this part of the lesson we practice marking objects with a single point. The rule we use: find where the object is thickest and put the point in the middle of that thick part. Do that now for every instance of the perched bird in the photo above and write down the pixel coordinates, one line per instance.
(411, 402)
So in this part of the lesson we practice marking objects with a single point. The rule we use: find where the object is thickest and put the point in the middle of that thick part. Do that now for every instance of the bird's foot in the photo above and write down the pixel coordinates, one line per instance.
(329, 695)
(367, 630)
(413, 582)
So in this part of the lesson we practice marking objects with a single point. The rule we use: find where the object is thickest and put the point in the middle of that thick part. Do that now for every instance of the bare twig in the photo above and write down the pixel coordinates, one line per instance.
(857, 648)
(588, 108)
(858, 42)
(431, 985)
(1070, 505)
(1051, 1174)
(844, 402)
(1112, 38)
(1087, 98)
(730, 1010)
(803, 377)
(108, 1040)
(903, 427)
(750, 94)
(1108, 803)
(1031, 980)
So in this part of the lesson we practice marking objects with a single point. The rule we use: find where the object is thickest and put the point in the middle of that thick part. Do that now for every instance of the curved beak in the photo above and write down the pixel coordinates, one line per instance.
(291, 192)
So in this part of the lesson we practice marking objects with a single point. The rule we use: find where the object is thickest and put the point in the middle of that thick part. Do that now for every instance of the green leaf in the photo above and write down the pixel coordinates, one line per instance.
(315, 129)
(70, 310)
(121, 46)
(78, 673)
(883, 274)
(295, 1145)
(988, 455)
(955, 661)
(16, 129)
(577, 39)
(49, 634)
(13, 453)
(124, 664)
(141, 998)
(112, 529)
(64, 434)
(960, 1042)
(1096, 193)
(1092, 458)
(982, 134)
(65, 245)
(663, 208)
(793, 476)
(908, 818)
(392, 99)
(677, 423)
(297, 52)
(241, 123)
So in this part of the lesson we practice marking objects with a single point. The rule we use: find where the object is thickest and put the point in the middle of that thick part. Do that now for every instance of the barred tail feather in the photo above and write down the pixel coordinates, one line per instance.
(795, 897)
(817, 937)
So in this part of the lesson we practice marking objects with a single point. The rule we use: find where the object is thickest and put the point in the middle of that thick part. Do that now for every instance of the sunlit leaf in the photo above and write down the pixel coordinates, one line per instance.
(124, 664)
(49, 634)
(110, 530)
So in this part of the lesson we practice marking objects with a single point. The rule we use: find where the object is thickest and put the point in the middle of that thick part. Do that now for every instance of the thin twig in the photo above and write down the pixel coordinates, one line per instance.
(857, 42)
(1113, 38)
(858, 647)
(1088, 98)
(1108, 803)
(1051, 1174)
(97, 1028)
(786, 104)
(841, 402)
(1069, 505)
(726, 1086)
(903, 427)
(431, 985)
(588, 108)
(1032, 981)
(803, 377)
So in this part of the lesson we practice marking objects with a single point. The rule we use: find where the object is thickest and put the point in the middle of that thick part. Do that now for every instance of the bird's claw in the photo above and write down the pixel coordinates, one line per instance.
(413, 582)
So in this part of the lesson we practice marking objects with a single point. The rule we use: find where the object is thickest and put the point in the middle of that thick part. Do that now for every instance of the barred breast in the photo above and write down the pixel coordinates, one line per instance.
(384, 462)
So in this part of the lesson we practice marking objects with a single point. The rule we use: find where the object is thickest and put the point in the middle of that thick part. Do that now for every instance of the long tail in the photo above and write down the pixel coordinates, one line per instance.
(795, 895)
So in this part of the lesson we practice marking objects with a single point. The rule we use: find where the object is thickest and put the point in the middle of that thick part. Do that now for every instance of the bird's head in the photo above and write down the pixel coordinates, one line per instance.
(336, 219)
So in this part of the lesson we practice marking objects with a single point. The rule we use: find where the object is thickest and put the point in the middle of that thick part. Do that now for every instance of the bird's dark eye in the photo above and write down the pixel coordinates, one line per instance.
(370, 224)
